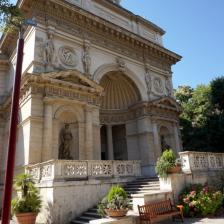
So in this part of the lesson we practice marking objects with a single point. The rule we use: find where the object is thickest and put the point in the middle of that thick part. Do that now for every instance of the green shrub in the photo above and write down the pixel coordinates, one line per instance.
(165, 162)
(28, 199)
(200, 200)
(116, 199)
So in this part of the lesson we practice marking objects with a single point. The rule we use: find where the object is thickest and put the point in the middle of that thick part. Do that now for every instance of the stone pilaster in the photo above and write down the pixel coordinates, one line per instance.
(89, 134)
(47, 132)
(110, 147)
(82, 152)
(156, 139)
(177, 138)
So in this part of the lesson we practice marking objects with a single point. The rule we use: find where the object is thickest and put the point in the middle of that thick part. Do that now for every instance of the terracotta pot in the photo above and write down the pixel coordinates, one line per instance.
(26, 218)
(116, 213)
(175, 169)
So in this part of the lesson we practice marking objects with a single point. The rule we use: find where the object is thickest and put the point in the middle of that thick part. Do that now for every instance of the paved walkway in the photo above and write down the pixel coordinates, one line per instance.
(189, 221)
(197, 221)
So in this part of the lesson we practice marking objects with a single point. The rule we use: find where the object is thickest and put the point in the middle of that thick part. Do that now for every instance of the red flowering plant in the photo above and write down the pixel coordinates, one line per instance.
(199, 200)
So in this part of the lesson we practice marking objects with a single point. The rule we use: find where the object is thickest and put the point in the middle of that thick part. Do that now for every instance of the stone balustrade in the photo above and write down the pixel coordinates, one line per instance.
(87, 169)
(201, 161)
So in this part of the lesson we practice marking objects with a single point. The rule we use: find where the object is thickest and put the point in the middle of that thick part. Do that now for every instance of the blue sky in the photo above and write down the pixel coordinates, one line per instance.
(194, 29)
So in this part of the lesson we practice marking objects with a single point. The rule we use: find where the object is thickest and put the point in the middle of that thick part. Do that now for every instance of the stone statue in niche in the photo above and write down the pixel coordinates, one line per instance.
(168, 86)
(49, 50)
(66, 138)
(164, 145)
(86, 59)
(148, 80)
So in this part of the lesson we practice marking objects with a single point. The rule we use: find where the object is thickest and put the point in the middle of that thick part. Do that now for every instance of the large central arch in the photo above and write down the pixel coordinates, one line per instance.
(120, 94)
(106, 68)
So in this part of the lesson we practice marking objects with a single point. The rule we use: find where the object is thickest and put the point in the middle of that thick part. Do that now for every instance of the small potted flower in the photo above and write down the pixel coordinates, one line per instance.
(167, 163)
(115, 204)
(27, 204)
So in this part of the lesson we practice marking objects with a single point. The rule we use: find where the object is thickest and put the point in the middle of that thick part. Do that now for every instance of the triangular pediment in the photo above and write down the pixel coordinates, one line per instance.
(73, 77)
(167, 103)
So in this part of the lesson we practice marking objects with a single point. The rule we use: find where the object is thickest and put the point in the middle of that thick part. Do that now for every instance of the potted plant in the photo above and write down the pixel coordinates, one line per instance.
(167, 163)
(27, 204)
(115, 204)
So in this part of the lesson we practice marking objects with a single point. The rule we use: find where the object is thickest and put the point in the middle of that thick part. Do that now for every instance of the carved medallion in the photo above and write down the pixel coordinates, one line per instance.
(68, 56)
(158, 85)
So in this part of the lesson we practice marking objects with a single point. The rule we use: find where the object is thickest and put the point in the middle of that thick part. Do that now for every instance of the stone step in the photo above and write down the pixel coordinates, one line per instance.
(92, 214)
(143, 183)
(86, 218)
(140, 186)
(78, 222)
(94, 210)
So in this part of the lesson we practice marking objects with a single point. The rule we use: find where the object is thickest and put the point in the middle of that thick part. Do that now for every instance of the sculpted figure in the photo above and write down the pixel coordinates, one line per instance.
(148, 80)
(120, 63)
(164, 145)
(66, 140)
(49, 50)
(168, 86)
(86, 59)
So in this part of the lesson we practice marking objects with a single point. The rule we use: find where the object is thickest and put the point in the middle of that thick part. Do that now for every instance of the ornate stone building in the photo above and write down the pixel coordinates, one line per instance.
(96, 85)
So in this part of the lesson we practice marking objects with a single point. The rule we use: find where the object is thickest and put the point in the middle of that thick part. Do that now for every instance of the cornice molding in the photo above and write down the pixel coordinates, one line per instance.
(83, 23)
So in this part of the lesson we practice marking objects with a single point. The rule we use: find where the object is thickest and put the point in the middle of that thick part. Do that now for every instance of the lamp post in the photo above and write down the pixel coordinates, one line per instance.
(7, 196)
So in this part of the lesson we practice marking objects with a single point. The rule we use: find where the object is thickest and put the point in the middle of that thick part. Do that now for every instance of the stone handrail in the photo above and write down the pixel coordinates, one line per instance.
(83, 169)
(201, 161)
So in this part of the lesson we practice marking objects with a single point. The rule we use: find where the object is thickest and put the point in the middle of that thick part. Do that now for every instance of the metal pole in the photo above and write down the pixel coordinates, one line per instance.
(7, 196)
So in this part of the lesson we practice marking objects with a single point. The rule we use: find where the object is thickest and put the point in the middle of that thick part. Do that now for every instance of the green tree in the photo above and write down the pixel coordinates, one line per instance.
(10, 16)
(196, 106)
(217, 93)
(202, 119)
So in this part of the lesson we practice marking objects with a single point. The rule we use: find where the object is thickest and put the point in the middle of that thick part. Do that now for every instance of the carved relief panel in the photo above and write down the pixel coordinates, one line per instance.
(68, 56)
(158, 85)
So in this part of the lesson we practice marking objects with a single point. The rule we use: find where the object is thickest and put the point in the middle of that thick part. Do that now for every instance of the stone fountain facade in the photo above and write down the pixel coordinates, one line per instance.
(104, 73)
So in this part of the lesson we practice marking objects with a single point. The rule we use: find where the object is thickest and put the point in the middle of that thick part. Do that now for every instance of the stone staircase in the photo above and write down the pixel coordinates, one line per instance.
(140, 186)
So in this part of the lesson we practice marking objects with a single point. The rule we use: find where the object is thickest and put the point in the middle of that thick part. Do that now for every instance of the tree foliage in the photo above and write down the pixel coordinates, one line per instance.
(10, 16)
(202, 119)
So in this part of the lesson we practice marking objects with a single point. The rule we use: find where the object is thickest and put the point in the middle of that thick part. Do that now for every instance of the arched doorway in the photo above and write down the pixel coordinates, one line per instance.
(120, 93)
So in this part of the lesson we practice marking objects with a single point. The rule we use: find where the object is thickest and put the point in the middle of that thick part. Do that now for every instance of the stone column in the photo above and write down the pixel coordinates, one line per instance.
(89, 134)
(47, 132)
(156, 139)
(110, 146)
(2, 148)
(177, 138)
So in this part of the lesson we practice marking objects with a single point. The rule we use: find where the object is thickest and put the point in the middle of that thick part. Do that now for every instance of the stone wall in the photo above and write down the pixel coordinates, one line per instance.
(63, 201)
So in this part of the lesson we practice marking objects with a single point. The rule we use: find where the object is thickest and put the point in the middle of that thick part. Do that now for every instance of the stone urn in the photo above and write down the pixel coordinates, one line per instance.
(26, 218)
(175, 169)
(113, 213)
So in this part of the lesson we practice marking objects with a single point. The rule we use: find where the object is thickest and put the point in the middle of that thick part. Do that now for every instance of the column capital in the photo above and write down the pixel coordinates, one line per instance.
(48, 101)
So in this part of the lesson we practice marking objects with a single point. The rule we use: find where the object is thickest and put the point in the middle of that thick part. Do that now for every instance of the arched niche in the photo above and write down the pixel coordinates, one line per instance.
(66, 115)
(120, 92)
(166, 138)
(105, 69)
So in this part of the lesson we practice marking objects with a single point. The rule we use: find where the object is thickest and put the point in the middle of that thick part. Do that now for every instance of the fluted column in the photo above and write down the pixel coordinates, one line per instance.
(47, 132)
(89, 134)
(110, 146)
